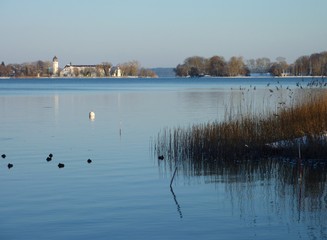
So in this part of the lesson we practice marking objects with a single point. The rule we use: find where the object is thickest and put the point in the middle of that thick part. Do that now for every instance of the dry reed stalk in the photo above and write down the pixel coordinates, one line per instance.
(247, 136)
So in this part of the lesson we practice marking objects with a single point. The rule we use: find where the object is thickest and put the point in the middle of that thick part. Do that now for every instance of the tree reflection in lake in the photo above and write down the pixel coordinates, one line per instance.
(271, 188)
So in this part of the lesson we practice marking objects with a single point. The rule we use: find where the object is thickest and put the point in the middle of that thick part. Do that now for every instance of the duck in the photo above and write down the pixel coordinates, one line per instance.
(89, 160)
(49, 158)
(10, 165)
(3, 155)
(161, 157)
(61, 165)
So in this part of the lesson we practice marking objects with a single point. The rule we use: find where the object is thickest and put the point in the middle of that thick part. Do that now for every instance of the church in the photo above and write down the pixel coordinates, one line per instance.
(71, 70)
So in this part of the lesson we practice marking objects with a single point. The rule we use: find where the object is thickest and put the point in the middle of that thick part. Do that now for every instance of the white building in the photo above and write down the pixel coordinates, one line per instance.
(115, 72)
(71, 70)
(55, 66)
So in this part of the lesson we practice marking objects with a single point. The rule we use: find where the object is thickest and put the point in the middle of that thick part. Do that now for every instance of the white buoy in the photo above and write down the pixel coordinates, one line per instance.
(92, 116)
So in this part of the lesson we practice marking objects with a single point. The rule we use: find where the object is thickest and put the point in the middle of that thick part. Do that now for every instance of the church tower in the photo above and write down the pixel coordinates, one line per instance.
(55, 66)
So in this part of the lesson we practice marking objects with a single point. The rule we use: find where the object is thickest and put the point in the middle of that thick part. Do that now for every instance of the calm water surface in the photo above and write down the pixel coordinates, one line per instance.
(124, 193)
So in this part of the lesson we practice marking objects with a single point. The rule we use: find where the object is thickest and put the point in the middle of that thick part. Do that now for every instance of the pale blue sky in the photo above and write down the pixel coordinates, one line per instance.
(159, 33)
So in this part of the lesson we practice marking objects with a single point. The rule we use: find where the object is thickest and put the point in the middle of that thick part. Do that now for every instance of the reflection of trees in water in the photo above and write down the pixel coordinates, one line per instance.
(289, 191)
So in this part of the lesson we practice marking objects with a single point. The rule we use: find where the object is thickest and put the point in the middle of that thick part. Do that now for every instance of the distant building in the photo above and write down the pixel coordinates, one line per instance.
(115, 72)
(71, 70)
(55, 66)
(285, 74)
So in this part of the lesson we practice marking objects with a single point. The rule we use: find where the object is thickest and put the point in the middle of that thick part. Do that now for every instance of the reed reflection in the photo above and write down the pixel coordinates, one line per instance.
(293, 190)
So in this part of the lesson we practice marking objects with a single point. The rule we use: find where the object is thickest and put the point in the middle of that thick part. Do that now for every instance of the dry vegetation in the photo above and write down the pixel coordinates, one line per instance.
(251, 137)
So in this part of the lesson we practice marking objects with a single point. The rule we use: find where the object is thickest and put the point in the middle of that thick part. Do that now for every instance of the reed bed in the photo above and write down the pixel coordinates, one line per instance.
(249, 136)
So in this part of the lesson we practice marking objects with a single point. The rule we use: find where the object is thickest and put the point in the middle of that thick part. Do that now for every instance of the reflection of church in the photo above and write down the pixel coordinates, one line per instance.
(71, 70)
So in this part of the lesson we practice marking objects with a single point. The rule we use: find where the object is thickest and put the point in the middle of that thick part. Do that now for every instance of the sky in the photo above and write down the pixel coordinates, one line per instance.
(159, 33)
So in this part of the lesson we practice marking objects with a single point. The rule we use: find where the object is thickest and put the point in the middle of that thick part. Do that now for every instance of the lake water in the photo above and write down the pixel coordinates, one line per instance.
(125, 192)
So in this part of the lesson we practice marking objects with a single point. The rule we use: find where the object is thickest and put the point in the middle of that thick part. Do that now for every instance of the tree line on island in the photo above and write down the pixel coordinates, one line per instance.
(196, 66)
(217, 66)
(44, 69)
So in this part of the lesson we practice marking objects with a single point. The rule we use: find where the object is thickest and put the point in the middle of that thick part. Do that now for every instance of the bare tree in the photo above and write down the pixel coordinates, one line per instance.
(130, 68)
(279, 68)
(216, 66)
(106, 68)
(4, 70)
(302, 66)
(262, 65)
(236, 66)
(252, 65)
(181, 70)
(147, 73)
(316, 64)
(196, 65)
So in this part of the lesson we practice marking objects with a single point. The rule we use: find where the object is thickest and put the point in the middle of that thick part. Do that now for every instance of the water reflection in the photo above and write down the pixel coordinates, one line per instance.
(271, 188)
(176, 202)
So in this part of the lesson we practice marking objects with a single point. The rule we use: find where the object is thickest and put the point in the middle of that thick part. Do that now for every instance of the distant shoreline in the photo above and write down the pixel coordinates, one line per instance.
(177, 77)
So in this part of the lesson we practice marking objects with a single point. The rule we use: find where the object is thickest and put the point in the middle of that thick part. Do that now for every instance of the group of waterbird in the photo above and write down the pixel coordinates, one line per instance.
(48, 159)
(9, 165)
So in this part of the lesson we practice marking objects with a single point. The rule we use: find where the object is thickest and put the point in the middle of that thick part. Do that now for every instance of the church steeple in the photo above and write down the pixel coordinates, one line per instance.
(55, 66)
